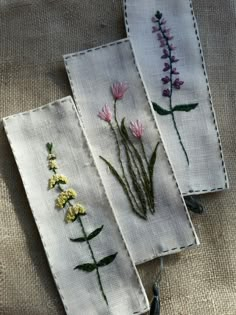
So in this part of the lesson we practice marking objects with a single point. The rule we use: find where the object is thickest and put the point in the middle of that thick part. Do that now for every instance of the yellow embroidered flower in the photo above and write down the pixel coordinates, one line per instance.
(51, 156)
(64, 197)
(74, 211)
(52, 164)
(57, 179)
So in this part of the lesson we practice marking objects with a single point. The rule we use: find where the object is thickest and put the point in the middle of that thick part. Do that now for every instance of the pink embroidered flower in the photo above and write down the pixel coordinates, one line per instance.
(137, 129)
(105, 114)
(118, 90)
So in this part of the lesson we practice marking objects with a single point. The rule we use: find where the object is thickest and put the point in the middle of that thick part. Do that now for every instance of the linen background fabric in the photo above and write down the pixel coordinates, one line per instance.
(80, 291)
(169, 229)
(197, 158)
(34, 36)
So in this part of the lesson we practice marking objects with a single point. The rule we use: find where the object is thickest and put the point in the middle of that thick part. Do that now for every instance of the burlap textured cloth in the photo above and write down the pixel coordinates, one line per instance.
(33, 37)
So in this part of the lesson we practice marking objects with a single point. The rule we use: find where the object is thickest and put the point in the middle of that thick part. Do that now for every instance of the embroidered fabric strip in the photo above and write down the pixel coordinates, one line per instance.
(88, 258)
(166, 42)
(121, 131)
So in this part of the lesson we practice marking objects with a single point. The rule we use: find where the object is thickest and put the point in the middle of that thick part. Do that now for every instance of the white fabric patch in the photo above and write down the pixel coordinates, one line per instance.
(28, 134)
(197, 128)
(91, 74)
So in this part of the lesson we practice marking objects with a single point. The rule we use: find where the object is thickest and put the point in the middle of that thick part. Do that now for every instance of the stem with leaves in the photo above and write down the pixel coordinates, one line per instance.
(95, 265)
(171, 88)
(164, 36)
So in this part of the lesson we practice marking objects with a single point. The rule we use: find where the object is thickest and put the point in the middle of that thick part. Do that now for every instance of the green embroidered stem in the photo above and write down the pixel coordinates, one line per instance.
(140, 161)
(121, 164)
(139, 176)
(171, 91)
(136, 184)
(94, 259)
(96, 265)
(126, 145)
(144, 153)
(120, 180)
(151, 191)
(151, 165)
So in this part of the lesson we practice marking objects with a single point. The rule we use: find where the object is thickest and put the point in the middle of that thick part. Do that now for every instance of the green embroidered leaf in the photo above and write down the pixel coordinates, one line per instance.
(136, 183)
(123, 185)
(95, 233)
(79, 239)
(49, 147)
(123, 128)
(153, 161)
(86, 267)
(160, 110)
(151, 171)
(107, 260)
(114, 172)
(136, 153)
(90, 236)
(185, 108)
(158, 15)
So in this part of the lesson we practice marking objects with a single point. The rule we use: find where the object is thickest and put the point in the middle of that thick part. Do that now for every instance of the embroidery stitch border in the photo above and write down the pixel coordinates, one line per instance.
(210, 98)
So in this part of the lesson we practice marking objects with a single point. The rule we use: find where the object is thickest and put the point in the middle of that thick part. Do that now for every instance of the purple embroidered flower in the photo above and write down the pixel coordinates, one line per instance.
(159, 36)
(167, 67)
(105, 114)
(163, 43)
(163, 21)
(173, 59)
(166, 30)
(155, 29)
(165, 54)
(165, 80)
(166, 92)
(137, 129)
(170, 37)
(172, 47)
(118, 90)
(174, 71)
(165, 37)
(177, 83)
(154, 20)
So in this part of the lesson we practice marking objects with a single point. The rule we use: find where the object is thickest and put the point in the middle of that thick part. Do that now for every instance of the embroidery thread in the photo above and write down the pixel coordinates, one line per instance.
(164, 36)
(75, 212)
(136, 171)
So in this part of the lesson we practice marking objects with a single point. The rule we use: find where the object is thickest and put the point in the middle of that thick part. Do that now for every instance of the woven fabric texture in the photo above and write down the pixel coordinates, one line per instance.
(34, 36)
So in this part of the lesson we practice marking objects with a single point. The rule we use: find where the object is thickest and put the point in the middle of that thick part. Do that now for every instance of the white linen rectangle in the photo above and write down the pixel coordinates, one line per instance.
(28, 134)
(91, 73)
(190, 135)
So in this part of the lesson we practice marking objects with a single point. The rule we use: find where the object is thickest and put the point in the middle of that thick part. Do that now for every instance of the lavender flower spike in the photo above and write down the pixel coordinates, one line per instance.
(165, 37)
